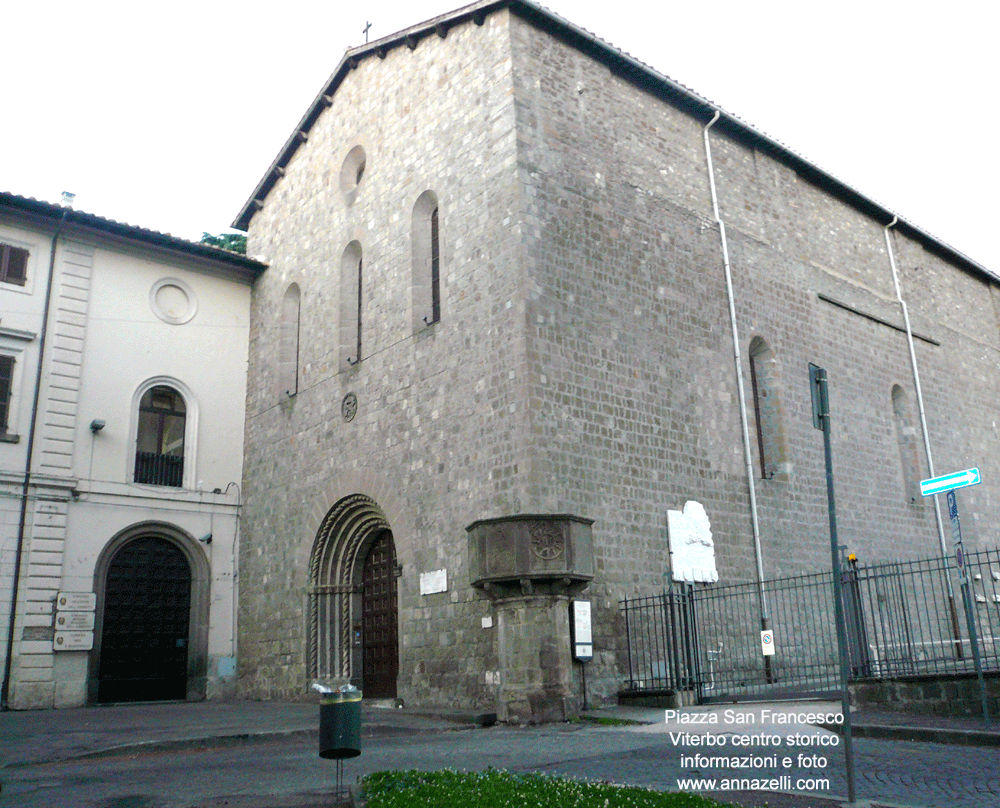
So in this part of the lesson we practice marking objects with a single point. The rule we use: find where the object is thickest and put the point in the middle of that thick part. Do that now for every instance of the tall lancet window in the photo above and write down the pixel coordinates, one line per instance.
(906, 440)
(772, 446)
(351, 319)
(426, 280)
(288, 343)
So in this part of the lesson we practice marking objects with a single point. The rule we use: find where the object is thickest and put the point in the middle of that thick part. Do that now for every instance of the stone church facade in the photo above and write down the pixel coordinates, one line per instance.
(495, 345)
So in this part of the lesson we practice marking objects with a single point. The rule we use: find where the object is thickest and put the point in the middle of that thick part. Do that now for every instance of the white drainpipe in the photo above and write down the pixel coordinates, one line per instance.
(747, 457)
(916, 381)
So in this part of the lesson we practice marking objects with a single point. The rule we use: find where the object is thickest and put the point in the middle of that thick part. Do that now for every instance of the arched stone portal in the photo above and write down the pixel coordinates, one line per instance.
(152, 618)
(353, 604)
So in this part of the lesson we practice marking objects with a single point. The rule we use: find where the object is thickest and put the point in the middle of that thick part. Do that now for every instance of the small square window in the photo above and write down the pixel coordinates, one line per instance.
(13, 265)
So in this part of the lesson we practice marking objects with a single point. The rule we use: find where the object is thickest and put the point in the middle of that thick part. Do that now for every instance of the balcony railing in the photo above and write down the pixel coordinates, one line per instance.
(158, 469)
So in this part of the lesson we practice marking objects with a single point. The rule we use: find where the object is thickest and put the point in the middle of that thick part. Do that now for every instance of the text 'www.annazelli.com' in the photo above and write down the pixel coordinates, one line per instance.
(781, 783)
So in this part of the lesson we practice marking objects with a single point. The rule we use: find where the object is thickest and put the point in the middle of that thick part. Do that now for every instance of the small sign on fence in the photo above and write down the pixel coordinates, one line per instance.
(767, 642)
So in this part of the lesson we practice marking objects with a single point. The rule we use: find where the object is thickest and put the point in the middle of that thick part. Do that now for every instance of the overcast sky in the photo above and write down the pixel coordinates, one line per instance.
(166, 115)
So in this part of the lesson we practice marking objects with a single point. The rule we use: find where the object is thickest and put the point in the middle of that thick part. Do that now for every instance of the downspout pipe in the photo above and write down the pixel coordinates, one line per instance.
(765, 617)
(22, 521)
(916, 380)
(952, 608)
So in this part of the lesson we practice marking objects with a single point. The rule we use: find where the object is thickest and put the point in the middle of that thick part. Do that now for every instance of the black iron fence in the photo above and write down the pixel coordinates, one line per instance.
(908, 618)
(661, 632)
(903, 619)
(722, 658)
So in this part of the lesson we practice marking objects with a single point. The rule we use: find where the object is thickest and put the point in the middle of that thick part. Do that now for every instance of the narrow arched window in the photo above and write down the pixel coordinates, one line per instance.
(288, 345)
(772, 449)
(426, 280)
(351, 300)
(435, 268)
(906, 440)
(159, 449)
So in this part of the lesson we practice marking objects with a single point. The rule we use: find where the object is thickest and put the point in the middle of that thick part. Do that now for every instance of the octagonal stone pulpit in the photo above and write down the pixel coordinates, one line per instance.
(530, 565)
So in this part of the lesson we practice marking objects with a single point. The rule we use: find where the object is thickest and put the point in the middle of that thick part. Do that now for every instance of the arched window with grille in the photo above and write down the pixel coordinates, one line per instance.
(160, 437)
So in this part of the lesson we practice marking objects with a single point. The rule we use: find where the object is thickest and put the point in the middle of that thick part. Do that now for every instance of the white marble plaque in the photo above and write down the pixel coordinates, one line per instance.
(692, 551)
(433, 582)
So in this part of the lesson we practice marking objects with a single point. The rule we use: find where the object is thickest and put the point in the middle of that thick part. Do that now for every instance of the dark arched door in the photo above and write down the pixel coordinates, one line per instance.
(378, 627)
(147, 614)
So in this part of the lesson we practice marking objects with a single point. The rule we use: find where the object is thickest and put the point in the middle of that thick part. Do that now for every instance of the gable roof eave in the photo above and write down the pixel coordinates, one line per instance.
(38, 212)
(629, 68)
(351, 59)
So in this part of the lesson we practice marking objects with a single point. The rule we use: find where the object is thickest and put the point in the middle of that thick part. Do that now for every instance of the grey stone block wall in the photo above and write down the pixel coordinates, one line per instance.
(635, 401)
(951, 696)
(584, 360)
(437, 419)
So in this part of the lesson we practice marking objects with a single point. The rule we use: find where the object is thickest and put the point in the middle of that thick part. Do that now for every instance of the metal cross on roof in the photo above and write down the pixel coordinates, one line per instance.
(367, 26)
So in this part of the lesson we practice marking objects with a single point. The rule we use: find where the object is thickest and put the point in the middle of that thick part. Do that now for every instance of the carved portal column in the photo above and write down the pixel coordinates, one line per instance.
(530, 565)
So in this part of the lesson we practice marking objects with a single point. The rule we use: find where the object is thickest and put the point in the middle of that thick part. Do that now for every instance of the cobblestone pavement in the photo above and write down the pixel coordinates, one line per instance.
(889, 772)
(893, 772)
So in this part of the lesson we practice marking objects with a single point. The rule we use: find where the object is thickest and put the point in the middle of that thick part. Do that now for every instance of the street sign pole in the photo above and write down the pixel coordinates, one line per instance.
(963, 576)
(939, 485)
(821, 420)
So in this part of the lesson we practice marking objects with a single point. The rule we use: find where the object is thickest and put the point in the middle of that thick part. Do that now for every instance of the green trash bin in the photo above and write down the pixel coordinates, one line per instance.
(340, 724)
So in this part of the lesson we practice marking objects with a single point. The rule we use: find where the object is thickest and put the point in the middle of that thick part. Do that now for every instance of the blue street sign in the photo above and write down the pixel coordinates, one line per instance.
(949, 482)
(956, 535)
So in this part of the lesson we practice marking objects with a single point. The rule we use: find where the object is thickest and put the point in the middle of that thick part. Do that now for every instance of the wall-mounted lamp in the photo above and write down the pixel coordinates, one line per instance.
(206, 539)
(96, 425)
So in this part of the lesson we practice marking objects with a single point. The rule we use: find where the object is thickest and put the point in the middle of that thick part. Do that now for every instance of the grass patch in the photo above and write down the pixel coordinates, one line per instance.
(496, 788)
(602, 721)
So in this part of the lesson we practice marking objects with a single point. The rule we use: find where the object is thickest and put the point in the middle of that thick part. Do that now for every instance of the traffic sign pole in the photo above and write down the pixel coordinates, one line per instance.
(939, 485)
(821, 420)
(963, 576)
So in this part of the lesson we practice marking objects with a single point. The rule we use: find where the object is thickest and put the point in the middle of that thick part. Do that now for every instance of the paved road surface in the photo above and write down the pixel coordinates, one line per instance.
(288, 772)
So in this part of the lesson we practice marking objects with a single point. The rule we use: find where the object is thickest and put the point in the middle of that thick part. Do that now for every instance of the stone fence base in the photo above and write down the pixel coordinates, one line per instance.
(954, 695)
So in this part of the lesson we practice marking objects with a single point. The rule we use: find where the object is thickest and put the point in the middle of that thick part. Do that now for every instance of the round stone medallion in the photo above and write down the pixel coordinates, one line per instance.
(349, 407)
(547, 541)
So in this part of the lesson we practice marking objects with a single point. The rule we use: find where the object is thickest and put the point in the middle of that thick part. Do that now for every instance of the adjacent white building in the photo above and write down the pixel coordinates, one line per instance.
(123, 364)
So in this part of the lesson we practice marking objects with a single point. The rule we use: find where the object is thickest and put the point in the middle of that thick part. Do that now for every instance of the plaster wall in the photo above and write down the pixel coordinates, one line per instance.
(104, 342)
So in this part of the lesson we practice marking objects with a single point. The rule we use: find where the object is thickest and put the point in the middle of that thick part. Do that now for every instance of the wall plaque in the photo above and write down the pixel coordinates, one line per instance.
(76, 602)
(692, 551)
(73, 641)
(433, 582)
(75, 621)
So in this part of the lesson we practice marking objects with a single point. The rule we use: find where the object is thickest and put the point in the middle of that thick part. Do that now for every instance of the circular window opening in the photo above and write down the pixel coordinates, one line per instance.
(173, 301)
(351, 172)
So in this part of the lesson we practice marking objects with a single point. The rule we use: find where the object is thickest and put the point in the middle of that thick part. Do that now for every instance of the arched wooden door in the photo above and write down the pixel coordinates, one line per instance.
(379, 637)
(147, 614)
